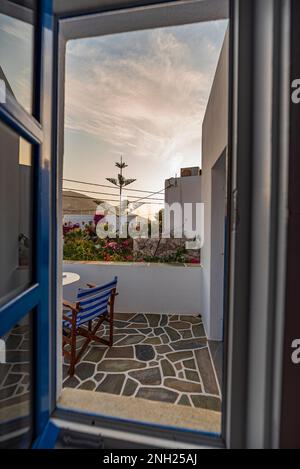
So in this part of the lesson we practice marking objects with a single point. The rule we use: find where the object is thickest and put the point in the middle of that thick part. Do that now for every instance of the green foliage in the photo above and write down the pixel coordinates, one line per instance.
(84, 245)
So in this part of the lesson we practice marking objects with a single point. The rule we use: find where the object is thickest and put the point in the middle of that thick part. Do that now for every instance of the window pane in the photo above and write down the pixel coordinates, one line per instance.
(16, 52)
(16, 201)
(16, 386)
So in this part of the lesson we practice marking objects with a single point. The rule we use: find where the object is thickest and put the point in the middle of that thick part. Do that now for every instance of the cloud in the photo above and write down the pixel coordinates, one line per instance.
(141, 93)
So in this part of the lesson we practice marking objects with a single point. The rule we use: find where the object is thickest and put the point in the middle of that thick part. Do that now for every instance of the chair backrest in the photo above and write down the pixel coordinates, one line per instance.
(93, 302)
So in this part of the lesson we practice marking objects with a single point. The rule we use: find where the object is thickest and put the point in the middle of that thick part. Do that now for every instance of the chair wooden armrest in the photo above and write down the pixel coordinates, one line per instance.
(70, 305)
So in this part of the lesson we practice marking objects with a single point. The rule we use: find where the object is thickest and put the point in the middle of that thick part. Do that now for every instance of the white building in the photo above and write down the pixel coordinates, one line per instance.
(78, 219)
(183, 190)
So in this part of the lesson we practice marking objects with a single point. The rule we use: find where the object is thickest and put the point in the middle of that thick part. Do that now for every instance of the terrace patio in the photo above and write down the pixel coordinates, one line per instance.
(157, 357)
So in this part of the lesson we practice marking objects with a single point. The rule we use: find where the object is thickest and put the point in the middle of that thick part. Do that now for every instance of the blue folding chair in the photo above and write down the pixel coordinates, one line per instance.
(95, 303)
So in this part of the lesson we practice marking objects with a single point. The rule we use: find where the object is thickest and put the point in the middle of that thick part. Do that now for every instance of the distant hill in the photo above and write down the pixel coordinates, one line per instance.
(75, 203)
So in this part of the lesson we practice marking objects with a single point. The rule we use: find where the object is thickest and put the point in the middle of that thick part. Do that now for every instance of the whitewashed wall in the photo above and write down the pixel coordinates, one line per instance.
(214, 143)
(143, 287)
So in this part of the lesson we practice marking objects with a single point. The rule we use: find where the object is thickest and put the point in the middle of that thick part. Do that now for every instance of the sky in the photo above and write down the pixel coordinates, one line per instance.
(142, 95)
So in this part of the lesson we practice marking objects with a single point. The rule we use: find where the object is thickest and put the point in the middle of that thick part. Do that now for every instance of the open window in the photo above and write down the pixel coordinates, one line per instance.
(241, 282)
(154, 96)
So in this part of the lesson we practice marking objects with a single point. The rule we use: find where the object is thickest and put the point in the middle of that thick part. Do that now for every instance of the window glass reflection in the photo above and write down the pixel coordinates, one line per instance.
(16, 207)
(16, 386)
(16, 53)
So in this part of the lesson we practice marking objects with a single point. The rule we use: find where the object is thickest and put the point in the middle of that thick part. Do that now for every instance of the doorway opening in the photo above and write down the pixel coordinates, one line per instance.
(141, 135)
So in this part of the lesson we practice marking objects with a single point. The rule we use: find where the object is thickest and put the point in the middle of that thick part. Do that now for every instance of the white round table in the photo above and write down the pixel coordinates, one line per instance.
(70, 277)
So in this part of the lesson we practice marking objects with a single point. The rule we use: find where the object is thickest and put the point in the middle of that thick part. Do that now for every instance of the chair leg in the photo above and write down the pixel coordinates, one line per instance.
(73, 352)
(111, 331)
(111, 318)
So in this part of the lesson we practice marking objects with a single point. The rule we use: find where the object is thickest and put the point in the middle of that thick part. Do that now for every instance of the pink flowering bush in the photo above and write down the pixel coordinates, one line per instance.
(83, 244)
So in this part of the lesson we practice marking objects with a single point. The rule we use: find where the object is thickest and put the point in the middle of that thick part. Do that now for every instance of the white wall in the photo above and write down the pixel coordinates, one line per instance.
(82, 220)
(214, 143)
(218, 214)
(143, 287)
(15, 211)
(185, 190)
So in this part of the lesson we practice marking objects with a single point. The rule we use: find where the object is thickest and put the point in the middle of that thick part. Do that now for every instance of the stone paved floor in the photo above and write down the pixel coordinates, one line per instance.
(15, 372)
(156, 357)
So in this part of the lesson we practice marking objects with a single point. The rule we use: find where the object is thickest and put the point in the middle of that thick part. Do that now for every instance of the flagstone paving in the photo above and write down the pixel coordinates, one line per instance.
(156, 357)
(15, 372)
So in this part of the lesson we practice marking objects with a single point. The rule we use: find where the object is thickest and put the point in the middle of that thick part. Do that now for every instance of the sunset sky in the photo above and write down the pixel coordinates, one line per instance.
(142, 95)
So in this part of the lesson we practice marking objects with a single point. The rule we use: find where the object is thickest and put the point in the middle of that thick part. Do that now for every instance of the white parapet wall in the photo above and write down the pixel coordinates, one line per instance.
(144, 288)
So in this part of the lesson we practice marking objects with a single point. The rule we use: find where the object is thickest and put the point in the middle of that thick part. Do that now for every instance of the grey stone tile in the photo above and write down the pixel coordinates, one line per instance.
(131, 340)
(172, 334)
(88, 386)
(173, 318)
(144, 352)
(163, 320)
(120, 324)
(157, 394)
(12, 378)
(139, 318)
(216, 349)
(206, 371)
(192, 319)
(4, 369)
(191, 364)
(186, 334)
(177, 356)
(182, 386)
(5, 393)
(152, 341)
(167, 368)
(207, 402)
(17, 357)
(99, 376)
(192, 376)
(71, 382)
(130, 388)
(180, 325)
(120, 352)
(165, 339)
(145, 331)
(126, 331)
(94, 354)
(112, 384)
(198, 330)
(84, 370)
(120, 365)
(184, 400)
(153, 319)
(147, 377)
(13, 342)
(161, 349)
(21, 368)
(189, 344)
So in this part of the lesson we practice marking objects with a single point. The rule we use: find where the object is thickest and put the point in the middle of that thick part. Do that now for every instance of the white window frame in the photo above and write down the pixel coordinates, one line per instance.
(254, 320)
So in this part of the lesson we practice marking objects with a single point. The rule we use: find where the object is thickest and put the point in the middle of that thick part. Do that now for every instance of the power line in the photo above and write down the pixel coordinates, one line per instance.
(104, 200)
(109, 187)
(106, 193)
(154, 193)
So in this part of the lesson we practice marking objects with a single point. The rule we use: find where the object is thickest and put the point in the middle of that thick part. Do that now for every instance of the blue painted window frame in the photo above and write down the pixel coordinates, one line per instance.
(36, 129)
